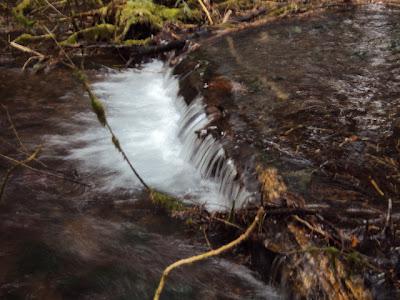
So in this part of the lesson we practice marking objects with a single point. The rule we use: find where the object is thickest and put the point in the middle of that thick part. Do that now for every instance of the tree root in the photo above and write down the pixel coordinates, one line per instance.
(211, 253)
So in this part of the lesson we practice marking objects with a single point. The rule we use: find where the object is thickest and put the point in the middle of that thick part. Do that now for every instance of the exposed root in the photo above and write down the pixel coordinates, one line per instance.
(211, 253)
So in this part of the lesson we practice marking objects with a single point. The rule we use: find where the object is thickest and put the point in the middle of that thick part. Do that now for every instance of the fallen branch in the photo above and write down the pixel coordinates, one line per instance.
(211, 253)
(27, 50)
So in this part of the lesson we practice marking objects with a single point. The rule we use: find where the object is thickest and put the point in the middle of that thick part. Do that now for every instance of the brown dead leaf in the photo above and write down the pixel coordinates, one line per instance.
(272, 185)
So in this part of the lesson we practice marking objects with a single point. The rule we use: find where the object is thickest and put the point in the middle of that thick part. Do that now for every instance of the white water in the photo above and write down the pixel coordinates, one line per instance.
(157, 131)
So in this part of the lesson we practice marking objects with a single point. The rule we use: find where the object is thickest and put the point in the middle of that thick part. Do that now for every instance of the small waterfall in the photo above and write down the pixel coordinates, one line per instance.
(208, 155)
(158, 132)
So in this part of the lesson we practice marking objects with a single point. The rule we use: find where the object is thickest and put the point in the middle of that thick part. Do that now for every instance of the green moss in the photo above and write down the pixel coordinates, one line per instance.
(137, 42)
(20, 10)
(26, 38)
(139, 19)
(98, 109)
(136, 21)
(137, 12)
(80, 75)
(170, 14)
(355, 260)
(167, 202)
(97, 106)
(116, 143)
(190, 13)
(92, 34)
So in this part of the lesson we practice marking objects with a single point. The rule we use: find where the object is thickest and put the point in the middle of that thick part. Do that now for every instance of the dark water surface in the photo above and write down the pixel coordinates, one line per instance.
(62, 240)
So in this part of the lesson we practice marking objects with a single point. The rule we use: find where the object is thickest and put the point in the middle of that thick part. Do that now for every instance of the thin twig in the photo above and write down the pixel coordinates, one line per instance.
(388, 219)
(26, 153)
(54, 8)
(123, 153)
(208, 254)
(206, 12)
(10, 170)
(309, 226)
(206, 238)
(227, 222)
(43, 172)
(28, 61)
(26, 50)
(13, 128)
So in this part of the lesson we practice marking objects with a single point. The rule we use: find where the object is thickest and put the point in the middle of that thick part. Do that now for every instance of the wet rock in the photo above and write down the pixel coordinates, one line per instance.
(214, 112)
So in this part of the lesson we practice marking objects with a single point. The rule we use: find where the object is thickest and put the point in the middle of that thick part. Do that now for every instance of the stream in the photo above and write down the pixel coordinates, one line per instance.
(106, 241)
(158, 131)
(291, 102)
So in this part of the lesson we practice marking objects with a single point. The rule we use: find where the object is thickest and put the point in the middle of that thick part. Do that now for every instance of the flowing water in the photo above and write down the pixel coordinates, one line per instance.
(158, 131)
(338, 76)
(68, 241)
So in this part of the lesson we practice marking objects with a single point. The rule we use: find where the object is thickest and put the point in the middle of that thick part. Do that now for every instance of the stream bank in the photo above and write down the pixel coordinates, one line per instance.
(309, 108)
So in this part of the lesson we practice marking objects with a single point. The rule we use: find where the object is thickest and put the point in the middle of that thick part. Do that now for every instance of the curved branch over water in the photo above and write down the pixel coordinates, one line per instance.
(211, 253)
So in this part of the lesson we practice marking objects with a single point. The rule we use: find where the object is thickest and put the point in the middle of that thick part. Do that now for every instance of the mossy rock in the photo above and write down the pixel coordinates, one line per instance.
(139, 19)
(167, 202)
(20, 10)
(101, 32)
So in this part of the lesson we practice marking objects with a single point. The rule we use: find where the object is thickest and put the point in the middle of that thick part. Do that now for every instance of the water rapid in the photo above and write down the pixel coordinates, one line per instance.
(157, 129)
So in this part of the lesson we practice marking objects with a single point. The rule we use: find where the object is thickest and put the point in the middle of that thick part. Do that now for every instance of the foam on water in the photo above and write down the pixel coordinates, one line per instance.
(157, 131)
